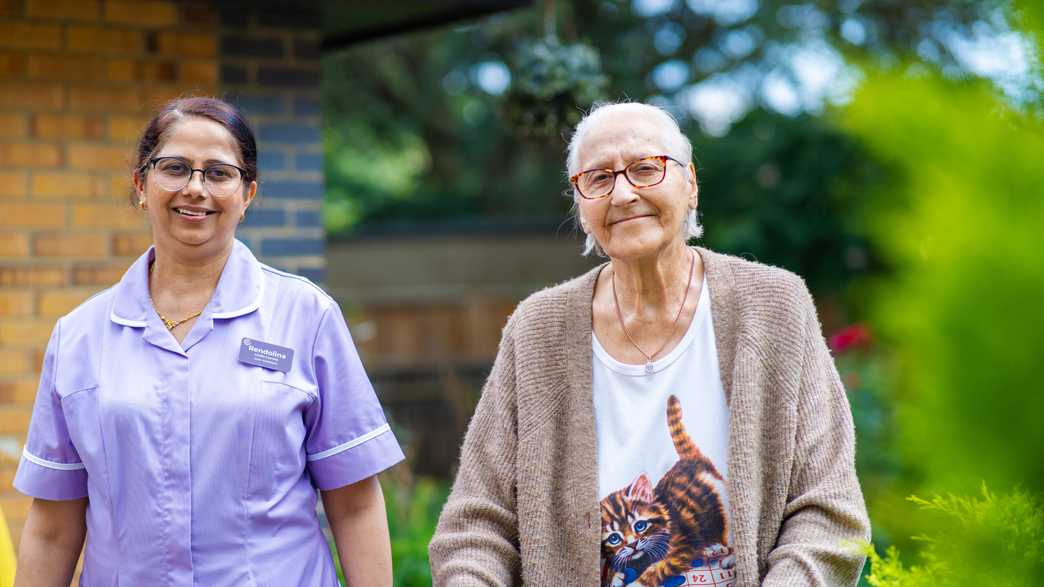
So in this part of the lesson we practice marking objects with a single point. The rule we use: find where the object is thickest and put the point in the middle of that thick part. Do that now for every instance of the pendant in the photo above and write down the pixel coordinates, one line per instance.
(648, 368)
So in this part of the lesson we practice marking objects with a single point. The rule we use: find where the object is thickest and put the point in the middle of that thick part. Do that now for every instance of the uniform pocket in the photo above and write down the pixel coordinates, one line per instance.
(277, 444)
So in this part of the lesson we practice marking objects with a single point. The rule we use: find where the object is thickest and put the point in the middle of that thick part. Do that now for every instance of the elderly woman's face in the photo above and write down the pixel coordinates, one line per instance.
(634, 222)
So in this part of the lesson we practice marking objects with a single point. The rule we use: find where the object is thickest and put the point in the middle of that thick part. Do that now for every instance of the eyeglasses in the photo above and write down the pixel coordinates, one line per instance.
(174, 173)
(594, 184)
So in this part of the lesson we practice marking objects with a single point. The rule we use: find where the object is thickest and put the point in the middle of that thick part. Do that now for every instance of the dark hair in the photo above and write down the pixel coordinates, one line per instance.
(214, 109)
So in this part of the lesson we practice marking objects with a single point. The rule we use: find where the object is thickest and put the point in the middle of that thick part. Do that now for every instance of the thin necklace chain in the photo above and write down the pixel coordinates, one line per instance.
(674, 325)
(170, 324)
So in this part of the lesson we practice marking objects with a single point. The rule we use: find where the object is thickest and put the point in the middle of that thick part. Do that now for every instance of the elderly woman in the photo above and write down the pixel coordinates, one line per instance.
(673, 417)
(187, 416)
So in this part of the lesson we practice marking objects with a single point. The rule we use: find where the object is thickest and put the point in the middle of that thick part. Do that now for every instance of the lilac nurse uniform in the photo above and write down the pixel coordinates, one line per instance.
(200, 465)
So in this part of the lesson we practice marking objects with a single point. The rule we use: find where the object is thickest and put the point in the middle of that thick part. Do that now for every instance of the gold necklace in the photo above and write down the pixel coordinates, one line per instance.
(170, 324)
(674, 325)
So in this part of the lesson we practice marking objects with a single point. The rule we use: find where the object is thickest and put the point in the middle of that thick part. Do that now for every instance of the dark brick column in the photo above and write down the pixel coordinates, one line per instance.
(270, 67)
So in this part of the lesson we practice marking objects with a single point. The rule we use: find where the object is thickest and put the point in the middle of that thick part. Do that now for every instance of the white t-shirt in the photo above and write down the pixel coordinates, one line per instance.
(654, 513)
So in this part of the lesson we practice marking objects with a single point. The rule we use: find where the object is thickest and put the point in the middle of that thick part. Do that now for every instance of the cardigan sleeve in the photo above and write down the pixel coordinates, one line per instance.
(825, 518)
(476, 540)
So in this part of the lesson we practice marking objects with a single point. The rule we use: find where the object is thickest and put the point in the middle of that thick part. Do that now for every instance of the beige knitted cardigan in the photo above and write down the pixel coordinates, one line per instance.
(524, 507)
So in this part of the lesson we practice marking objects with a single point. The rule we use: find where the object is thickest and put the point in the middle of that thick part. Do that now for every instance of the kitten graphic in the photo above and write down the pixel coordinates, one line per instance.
(650, 535)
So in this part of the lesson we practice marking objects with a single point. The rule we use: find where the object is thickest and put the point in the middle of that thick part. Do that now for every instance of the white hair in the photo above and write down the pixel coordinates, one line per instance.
(675, 141)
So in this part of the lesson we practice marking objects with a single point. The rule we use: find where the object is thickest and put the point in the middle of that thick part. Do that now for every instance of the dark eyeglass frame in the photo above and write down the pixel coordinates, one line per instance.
(192, 171)
(575, 179)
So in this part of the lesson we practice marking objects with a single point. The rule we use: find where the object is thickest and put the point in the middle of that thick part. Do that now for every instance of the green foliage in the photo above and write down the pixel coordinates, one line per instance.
(961, 222)
(415, 140)
(413, 512)
(553, 85)
(788, 191)
(867, 377)
(984, 540)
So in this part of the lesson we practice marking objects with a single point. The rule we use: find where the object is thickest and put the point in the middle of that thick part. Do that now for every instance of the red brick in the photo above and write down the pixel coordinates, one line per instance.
(16, 507)
(179, 44)
(12, 184)
(7, 475)
(31, 275)
(103, 275)
(106, 216)
(70, 244)
(22, 35)
(24, 334)
(63, 9)
(13, 126)
(93, 39)
(16, 303)
(30, 155)
(10, 7)
(20, 391)
(12, 363)
(156, 71)
(127, 128)
(31, 215)
(92, 98)
(121, 70)
(12, 66)
(67, 126)
(198, 14)
(92, 157)
(121, 188)
(55, 303)
(64, 67)
(69, 185)
(14, 244)
(145, 13)
(130, 244)
(32, 96)
(200, 72)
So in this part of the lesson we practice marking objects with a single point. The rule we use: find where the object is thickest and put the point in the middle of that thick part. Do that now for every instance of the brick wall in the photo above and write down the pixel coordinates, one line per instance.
(78, 80)
(270, 68)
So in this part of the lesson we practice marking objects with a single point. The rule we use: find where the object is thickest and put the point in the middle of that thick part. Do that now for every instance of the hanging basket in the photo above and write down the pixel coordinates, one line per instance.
(552, 85)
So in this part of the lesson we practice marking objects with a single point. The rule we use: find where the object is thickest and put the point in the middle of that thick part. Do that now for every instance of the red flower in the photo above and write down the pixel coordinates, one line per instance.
(850, 337)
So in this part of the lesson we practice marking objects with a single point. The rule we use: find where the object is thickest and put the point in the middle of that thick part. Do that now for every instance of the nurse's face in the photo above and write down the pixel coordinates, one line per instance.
(193, 221)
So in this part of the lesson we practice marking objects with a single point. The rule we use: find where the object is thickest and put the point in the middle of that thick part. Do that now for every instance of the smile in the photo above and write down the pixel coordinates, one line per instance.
(629, 219)
(194, 213)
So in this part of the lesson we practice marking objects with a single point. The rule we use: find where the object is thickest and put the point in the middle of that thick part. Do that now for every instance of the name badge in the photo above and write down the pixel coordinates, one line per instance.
(265, 354)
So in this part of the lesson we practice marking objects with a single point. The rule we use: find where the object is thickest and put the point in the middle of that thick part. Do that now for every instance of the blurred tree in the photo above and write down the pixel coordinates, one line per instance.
(959, 217)
(961, 224)
(416, 139)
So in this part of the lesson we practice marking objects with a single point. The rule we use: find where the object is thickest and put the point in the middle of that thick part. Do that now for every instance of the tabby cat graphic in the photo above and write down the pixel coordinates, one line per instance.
(649, 535)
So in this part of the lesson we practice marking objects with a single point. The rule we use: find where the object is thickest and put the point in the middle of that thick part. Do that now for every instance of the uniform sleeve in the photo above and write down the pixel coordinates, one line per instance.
(50, 467)
(349, 438)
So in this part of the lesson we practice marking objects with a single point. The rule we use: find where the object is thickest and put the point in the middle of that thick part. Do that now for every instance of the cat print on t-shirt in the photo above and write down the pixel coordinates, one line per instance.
(673, 534)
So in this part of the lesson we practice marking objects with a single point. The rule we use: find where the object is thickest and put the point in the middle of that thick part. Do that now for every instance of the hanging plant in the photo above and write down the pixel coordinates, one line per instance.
(552, 84)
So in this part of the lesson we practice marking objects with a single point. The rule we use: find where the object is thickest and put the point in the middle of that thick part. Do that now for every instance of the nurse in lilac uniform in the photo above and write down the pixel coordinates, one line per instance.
(187, 415)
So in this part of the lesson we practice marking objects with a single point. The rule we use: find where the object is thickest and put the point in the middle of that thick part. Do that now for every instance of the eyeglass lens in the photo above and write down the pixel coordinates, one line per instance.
(641, 173)
(220, 179)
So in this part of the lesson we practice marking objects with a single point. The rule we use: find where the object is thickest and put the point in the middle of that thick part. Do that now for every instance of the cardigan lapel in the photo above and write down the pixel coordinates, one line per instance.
(741, 482)
(578, 355)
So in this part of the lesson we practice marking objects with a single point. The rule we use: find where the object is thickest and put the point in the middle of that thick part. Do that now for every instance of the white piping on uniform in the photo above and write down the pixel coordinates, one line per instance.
(350, 444)
(51, 464)
(126, 321)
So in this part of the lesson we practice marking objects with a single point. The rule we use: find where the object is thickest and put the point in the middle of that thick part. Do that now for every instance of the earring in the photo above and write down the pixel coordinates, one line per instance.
(141, 204)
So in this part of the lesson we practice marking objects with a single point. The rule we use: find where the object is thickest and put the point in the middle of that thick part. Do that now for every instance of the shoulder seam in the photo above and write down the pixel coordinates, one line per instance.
(304, 280)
